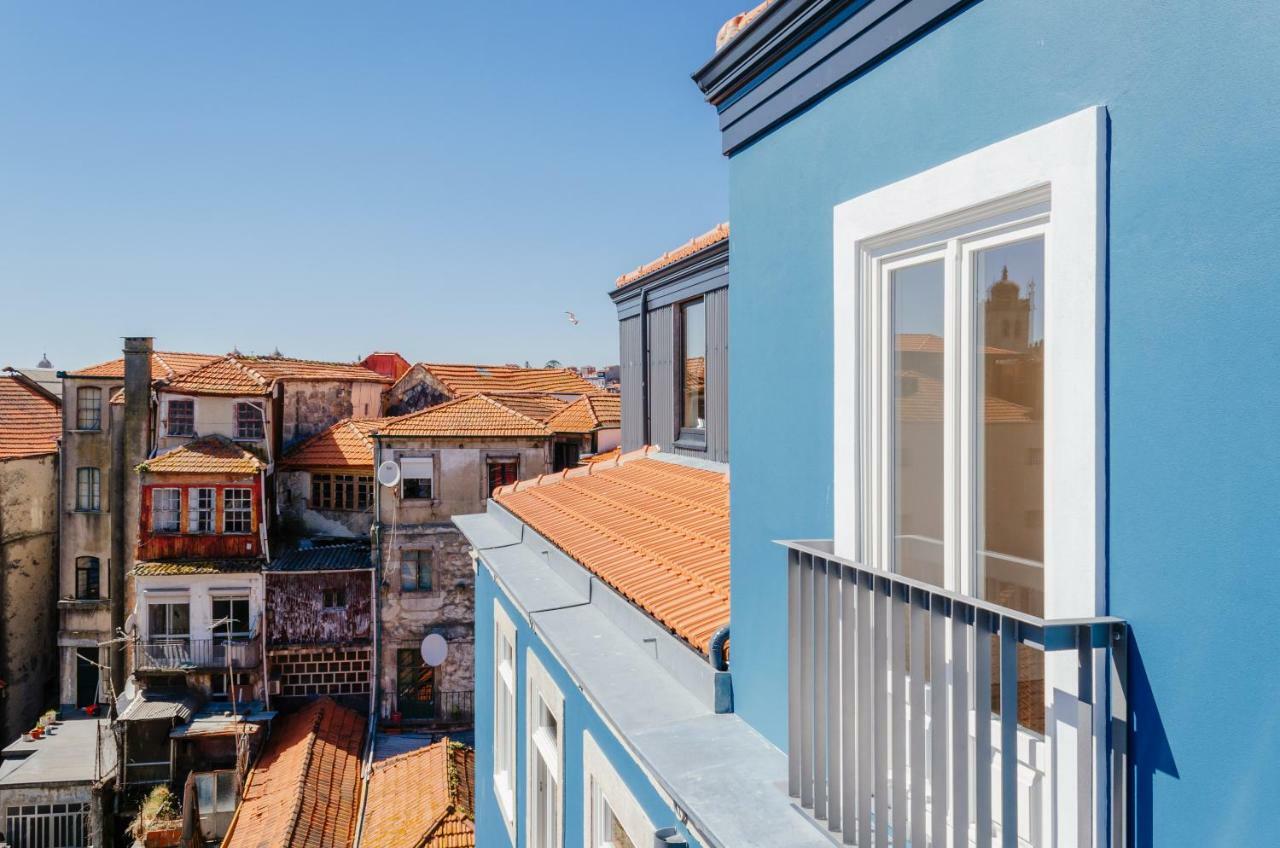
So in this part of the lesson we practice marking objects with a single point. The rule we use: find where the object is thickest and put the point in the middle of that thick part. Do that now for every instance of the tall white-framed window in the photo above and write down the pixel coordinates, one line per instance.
(166, 510)
(201, 510)
(969, 392)
(504, 716)
(544, 746)
(237, 510)
(613, 817)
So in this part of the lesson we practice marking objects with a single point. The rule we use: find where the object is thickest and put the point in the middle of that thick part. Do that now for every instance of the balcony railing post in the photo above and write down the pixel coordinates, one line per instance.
(795, 685)
(982, 753)
(806, 681)
(1118, 735)
(919, 621)
(849, 699)
(1008, 732)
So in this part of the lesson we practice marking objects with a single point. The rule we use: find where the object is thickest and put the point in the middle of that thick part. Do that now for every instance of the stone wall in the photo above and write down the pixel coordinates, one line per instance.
(28, 569)
(309, 407)
(448, 609)
(416, 390)
(294, 493)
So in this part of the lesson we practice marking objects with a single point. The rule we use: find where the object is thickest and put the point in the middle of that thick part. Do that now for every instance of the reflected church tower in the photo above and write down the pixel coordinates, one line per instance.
(1008, 314)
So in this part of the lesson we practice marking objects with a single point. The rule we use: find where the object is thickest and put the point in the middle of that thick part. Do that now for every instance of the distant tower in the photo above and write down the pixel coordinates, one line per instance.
(1008, 314)
(44, 361)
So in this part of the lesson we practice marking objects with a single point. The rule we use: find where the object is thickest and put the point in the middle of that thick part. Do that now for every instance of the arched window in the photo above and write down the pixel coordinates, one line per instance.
(89, 408)
(88, 578)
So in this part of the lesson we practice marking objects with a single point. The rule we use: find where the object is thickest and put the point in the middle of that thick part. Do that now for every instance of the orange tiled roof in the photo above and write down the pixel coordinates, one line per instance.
(255, 375)
(473, 379)
(440, 780)
(214, 454)
(589, 413)
(729, 31)
(692, 246)
(164, 364)
(538, 406)
(473, 415)
(605, 456)
(30, 420)
(347, 444)
(655, 531)
(304, 791)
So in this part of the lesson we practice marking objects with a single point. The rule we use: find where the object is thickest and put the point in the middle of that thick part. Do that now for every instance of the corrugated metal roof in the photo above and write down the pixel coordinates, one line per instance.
(324, 558)
(155, 704)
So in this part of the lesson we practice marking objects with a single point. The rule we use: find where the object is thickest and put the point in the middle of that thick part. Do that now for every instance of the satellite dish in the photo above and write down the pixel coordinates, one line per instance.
(434, 649)
(389, 473)
(130, 623)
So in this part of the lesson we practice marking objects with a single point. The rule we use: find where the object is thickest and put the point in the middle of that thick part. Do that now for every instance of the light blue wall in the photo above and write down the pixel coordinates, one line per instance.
(491, 832)
(1193, 95)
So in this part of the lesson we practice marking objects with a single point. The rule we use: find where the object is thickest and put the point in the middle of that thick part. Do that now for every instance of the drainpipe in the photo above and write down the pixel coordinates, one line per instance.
(644, 365)
(375, 586)
(716, 649)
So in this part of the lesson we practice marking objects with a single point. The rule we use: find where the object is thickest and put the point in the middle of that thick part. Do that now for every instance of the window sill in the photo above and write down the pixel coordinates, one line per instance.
(695, 440)
(83, 430)
(87, 511)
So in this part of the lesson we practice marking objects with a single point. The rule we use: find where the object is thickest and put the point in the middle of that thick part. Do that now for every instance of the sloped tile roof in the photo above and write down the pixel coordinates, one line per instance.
(606, 456)
(347, 444)
(214, 454)
(440, 781)
(235, 375)
(538, 406)
(190, 567)
(30, 420)
(164, 365)
(589, 413)
(655, 531)
(730, 29)
(472, 379)
(713, 236)
(304, 791)
(356, 555)
(473, 415)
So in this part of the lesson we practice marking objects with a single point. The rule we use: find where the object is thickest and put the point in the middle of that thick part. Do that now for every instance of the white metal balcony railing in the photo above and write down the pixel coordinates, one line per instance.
(182, 654)
(883, 755)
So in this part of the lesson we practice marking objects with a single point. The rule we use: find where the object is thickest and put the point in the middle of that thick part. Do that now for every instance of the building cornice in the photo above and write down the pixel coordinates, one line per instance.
(797, 51)
(690, 276)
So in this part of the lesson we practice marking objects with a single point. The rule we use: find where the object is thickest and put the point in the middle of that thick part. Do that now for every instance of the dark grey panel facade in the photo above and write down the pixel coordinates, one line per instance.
(800, 50)
(631, 358)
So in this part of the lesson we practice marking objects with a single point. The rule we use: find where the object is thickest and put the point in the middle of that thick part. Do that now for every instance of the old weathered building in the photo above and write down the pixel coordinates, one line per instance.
(30, 423)
(429, 384)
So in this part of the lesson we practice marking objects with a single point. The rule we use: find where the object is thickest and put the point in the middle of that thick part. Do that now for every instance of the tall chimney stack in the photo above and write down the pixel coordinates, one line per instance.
(134, 444)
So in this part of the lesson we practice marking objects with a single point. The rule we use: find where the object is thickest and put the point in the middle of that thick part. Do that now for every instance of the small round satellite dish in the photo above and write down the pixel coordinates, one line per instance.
(389, 473)
(130, 623)
(434, 649)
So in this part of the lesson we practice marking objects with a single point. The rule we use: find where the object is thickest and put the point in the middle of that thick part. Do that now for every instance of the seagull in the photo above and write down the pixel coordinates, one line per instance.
(573, 319)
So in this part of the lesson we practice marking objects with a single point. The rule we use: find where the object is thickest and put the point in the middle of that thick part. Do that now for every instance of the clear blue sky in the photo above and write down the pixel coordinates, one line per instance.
(442, 179)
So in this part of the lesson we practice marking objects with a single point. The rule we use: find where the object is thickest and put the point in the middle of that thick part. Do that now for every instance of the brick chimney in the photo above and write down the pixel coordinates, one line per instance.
(131, 449)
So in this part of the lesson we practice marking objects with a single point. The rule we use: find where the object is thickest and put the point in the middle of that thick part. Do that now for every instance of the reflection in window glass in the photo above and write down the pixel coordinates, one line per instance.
(1010, 438)
(918, 302)
(694, 379)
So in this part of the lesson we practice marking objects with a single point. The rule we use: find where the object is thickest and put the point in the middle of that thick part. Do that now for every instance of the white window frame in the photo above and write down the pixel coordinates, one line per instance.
(505, 688)
(1063, 163)
(601, 782)
(1058, 170)
(541, 689)
(261, 420)
(155, 510)
(194, 510)
(411, 469)
(227, 512)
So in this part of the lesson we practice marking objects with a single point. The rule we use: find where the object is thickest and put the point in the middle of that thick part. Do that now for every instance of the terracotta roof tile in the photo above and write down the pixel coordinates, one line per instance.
(473, 415)
(538, 406)
(606, 456)
(473, 379)
(589, 413)
(30, 420)
(729, 31)
(255, 375)
(920, 400)
(214, 454)
(304, 791)
(164, 365)
(655, 531)
(347, 444)
(692, 246)
(440, 780)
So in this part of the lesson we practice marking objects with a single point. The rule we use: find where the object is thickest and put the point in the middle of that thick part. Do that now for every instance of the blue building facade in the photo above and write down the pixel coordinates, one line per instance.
(891, 165)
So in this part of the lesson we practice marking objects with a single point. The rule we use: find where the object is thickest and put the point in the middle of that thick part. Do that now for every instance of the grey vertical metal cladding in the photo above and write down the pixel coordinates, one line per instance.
(662, 385)
(631, 358)
(718, 375)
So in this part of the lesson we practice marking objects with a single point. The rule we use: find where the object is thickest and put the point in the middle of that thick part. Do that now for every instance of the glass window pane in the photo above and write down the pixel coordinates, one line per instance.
(1010, 440)
(694, 408)
(919, 342)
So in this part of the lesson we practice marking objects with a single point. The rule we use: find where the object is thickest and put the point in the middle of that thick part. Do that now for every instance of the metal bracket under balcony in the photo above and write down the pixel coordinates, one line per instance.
(906, 725)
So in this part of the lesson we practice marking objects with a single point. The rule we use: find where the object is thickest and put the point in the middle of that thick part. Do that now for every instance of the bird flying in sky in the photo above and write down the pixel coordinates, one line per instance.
(573, 319)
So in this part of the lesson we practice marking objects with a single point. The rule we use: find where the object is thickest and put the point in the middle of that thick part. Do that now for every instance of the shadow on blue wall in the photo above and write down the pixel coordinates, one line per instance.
(1150, 747)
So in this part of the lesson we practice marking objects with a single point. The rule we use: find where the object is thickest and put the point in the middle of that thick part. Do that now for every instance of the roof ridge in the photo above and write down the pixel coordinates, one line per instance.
(501, 405)
(418, 412)
(256, 375)
(295, 812)
(581, 471)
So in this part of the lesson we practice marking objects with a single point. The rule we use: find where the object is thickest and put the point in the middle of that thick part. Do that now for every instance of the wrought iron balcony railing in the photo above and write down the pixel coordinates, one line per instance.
(190, 654)
(904, 714)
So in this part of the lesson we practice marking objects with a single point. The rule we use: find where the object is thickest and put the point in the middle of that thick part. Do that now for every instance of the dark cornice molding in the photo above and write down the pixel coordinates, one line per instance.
(797, 51)
(695, 274)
